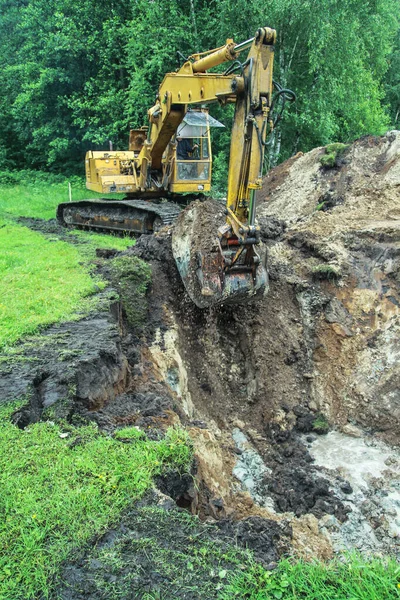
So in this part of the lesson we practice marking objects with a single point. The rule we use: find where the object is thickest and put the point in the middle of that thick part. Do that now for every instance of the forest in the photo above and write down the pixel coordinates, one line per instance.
(77, 74)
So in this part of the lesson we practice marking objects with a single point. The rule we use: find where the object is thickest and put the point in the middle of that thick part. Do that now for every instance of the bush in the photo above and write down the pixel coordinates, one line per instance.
(332, 153)
(31, 177)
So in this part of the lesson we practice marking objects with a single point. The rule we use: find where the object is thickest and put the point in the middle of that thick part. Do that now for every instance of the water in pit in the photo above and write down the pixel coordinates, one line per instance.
(373, 471)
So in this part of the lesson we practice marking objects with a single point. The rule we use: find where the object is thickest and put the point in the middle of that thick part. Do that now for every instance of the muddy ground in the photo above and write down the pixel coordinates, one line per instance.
(258, 386)
(164, 551)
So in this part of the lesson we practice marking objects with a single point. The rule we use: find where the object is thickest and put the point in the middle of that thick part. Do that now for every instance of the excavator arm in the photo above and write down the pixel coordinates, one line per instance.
(250, 90)
(232, 269)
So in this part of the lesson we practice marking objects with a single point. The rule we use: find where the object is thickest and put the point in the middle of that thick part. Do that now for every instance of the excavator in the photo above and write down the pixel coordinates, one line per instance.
(171, 158)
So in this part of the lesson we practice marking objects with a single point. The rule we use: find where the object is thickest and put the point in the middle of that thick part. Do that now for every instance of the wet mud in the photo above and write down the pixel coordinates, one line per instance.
(161, 550)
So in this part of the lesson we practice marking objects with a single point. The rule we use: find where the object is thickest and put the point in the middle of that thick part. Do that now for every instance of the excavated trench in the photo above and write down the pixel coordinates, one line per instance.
(271, 393)
(239, 380)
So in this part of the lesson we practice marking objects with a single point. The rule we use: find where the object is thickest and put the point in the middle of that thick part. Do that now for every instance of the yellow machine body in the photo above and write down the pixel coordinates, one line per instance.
(119, 171)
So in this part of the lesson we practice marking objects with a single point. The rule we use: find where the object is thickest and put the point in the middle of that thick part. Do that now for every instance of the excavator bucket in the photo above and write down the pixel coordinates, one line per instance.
(202, 262)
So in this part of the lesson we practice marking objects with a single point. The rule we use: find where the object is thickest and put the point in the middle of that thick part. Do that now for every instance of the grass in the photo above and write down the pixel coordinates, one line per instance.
(332, 153)
(326, 271)
(132, 276)
(44, 279)
(62, 485)
(169, 555)
(320, 424)
(40, 199)
(100, 240)
(354, 578)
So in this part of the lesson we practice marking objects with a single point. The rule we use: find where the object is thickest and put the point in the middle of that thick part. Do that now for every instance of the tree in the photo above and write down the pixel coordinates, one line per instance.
(76, 74)
(392, 85)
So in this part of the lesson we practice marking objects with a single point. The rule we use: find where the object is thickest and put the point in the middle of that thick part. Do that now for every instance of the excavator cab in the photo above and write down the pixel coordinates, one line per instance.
(193, 159)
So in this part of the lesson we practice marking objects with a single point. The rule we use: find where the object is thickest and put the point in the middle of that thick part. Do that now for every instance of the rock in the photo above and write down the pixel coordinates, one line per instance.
(352, 430)
(329, 522)
(346, 488)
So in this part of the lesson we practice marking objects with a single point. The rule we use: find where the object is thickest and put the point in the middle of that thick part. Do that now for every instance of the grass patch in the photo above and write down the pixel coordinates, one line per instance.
(352, 579)
(132, 277)
(43, 281)
(129, 434)
(63, 485)
(169, 555)
(326, 271)
(102, 240)
(320, 425)
(39, 199)
(332, 153)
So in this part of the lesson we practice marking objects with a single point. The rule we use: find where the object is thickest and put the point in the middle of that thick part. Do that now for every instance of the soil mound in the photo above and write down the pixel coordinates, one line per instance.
(341, 248)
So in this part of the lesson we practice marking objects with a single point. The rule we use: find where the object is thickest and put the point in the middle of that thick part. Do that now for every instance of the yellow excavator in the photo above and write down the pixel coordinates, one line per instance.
(172, 157)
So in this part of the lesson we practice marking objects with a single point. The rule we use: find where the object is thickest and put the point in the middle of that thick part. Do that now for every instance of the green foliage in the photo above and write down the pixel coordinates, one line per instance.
(332, 153)
(132, 276)
(392, 85)
(355, 578)
(75, 75)
(62, 485)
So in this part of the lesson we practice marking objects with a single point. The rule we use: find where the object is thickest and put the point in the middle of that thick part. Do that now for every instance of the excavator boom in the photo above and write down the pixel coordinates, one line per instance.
(229, 269)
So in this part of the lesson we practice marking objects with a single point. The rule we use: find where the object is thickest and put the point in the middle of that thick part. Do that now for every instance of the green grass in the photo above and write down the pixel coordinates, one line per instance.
(354, 578)
(190, 560)
(132, 277)
(61, 485)
(320, 424)
(40, 199)
(44, 279)
(175, 556)
(332, 153)
(101, 240)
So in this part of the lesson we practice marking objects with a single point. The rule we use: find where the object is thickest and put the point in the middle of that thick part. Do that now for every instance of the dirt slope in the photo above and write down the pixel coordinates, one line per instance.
(351, 249)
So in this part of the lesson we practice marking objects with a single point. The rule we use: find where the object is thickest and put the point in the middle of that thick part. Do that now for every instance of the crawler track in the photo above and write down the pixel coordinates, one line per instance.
(123, 216)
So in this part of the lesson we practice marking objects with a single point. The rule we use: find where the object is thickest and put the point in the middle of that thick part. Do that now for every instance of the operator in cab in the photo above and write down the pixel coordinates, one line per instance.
(185, 148)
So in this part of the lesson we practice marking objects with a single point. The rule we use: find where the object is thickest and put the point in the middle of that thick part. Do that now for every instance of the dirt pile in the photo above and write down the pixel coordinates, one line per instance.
(319, 351)
(341, 253)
